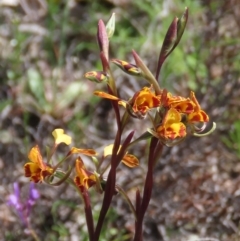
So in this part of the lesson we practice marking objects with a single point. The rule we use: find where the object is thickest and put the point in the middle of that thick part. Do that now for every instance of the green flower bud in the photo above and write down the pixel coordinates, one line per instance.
(110, 26)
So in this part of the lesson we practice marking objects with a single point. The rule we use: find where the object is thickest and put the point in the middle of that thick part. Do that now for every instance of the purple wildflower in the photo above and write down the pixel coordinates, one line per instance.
(23, 208)
(33, 196)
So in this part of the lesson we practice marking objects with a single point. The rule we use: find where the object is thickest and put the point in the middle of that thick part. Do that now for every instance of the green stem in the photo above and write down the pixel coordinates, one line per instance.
(123, 193)
(111, 82)
(147, 73)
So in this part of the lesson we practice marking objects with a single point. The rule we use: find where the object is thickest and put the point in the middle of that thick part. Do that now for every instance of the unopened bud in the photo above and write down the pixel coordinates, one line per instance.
(181, 25)
(96, 76)
(110, 26)
(127, 67)
(102, 38)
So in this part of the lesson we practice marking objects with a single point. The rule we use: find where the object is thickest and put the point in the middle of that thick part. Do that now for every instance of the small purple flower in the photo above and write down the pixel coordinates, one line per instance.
(33, 196)
(23, 208)
(14, 199)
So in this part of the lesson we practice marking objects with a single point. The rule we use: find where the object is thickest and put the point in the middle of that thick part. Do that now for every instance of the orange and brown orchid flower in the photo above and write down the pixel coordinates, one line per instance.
(180, 112)
(189, 106)
(139, 104)
(198, 115)
(143, 101)
(171, 127)
(84, 179)
(36, 169)
(181, 104)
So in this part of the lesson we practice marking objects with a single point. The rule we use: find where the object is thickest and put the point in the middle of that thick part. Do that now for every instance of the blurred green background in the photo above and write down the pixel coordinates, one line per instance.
(45, 49)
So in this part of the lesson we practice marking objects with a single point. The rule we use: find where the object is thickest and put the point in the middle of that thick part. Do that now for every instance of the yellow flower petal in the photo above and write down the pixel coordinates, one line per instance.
(172, 116)
(36, 157)
(60, 137)
(175, 130)
(108, 150)
(87, 152)
(172, 127)
(122, 103)
(105, 95)
(130, 160)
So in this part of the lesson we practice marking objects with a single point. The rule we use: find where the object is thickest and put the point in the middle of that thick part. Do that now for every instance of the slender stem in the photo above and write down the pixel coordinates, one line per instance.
(125, 119)
(88, 214)
(49, 157)
(112, 82)
(111, 180)
(88, 210)
(110, 188)
(30, 230)
(147, 190)
(33, 234)
(123, 193)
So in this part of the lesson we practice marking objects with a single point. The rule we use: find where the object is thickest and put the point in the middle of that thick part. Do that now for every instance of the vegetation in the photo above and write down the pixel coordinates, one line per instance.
(46, 47)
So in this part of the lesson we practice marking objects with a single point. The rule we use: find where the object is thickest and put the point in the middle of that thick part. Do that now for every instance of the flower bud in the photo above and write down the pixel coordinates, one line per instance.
(96, 76)
(102, 38)
(110, 26)
(181, 26)
(127, 67)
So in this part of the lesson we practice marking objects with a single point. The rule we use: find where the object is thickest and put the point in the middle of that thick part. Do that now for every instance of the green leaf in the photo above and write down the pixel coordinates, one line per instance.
(36, 86)
(71, 93)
